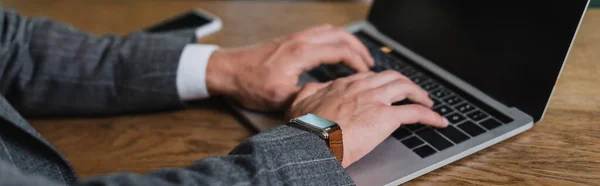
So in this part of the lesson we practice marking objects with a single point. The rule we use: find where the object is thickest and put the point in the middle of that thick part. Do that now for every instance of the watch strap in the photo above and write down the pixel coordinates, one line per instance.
(336, 144)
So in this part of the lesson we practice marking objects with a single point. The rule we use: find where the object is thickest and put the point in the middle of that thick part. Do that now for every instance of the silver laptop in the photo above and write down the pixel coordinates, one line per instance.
(490, 68)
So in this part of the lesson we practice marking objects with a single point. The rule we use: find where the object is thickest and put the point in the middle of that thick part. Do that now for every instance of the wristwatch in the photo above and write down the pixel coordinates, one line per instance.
(327, 130)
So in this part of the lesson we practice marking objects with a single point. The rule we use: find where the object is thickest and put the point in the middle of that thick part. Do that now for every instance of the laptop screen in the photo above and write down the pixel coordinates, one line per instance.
(512, 50)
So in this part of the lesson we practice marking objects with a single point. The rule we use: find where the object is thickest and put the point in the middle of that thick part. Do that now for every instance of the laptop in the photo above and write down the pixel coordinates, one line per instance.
(490, 68)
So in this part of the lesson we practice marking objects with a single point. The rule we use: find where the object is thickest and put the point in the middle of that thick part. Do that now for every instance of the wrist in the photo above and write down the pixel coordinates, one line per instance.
(220, 74)
(327, 130)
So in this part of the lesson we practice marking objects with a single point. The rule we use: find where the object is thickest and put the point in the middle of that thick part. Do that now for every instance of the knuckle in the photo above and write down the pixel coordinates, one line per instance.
(274, 92)
(417, 109)
(411, 87)
(310, 86)
(358, 84)
(278, 96)
(369, 73)
(342, 47)
(365, 96)
(356, 55)
(421, 109)
(402, 87)
(339, 82)
(392, 74)
(371, 96)
(414, 87)
(424, 92)
(348, 49)
(296, 36)
(383, 109)
(298, 48)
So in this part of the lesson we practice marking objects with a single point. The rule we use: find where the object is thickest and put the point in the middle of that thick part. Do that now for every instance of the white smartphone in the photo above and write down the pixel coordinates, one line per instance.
(199, 21)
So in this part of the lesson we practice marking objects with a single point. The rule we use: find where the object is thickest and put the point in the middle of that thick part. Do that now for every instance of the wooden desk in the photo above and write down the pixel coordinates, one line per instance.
(561, 150)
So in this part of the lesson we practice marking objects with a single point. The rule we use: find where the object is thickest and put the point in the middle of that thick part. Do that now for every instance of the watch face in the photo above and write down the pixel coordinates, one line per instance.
(316, 121)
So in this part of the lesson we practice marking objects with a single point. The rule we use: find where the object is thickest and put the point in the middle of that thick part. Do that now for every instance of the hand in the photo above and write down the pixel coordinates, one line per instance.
(264, 76)
(361, 105)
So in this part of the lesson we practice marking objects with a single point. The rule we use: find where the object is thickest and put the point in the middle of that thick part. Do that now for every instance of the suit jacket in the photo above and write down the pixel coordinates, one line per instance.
(47, 68)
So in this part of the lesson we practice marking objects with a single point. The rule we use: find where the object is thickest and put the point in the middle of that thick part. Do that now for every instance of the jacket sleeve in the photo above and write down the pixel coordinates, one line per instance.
(48, 68)
(280, 156)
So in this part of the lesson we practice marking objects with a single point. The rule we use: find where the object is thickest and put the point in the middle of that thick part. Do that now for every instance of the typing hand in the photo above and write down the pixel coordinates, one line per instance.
(361, 105)
(264, 76)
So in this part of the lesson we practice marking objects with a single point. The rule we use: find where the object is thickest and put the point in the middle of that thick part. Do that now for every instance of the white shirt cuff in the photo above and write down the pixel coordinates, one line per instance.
(191, 72)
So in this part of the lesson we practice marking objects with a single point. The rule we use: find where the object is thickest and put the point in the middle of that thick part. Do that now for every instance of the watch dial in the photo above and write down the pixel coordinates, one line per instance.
(317, 121)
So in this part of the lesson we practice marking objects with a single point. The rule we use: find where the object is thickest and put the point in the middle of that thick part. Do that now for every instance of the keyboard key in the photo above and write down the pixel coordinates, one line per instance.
(366, 41)
(412, 142)
(464, 108)
(490, 124)
(424, 151)
(436, 140)
(379, 62)
(340, 71)
(398, 66)
(321, 73)
(455, 118)
(471, 128)
(443, 110)
(436, 102)
(418, 79)
(414, 127)
(409, 72)
(403, 102)
(453, 100)
(430, 85)
(387, 59)
(477, 115)
(401, 133)
(453, 134)
(441, 93)
(378, 68)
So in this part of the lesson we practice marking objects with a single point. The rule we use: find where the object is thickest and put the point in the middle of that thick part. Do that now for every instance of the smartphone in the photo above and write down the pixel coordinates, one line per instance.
(198, 22)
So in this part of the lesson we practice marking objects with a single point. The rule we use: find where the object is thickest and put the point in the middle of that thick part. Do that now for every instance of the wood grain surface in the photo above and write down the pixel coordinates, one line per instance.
(563, 149)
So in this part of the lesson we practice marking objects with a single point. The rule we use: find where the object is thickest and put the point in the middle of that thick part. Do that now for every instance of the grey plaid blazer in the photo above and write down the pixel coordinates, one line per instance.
(47, 68)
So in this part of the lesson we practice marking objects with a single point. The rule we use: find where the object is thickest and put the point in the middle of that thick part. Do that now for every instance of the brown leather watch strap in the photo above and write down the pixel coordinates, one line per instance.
(336, 144)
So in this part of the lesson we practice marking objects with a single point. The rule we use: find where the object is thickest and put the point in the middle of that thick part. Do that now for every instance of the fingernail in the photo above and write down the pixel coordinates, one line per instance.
(445, 121)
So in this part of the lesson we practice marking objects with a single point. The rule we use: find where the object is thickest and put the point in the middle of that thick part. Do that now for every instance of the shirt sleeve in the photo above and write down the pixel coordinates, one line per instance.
(48, 68)
(191, 72)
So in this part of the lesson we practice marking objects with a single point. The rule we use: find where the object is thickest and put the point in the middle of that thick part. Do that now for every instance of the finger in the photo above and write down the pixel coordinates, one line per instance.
(308, 33)
(320, 28)
(357, 45)
(385, 77)
(399, 90)
(412, 114)
(357, 76)
(331, 35)
(340, 34)
(318, 54)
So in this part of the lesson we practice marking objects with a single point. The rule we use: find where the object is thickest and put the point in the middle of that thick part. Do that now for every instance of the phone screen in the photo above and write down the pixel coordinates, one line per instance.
(188, 20)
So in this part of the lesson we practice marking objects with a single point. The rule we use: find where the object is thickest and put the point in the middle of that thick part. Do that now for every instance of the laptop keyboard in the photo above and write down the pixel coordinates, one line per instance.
(466, 119)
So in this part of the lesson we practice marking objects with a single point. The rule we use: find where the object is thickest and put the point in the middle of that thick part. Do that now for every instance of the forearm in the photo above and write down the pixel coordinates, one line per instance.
(55, 69)
(280, 156)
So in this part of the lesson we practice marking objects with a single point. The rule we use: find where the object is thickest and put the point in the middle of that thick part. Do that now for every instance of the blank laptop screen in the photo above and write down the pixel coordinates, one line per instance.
(512, 50)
